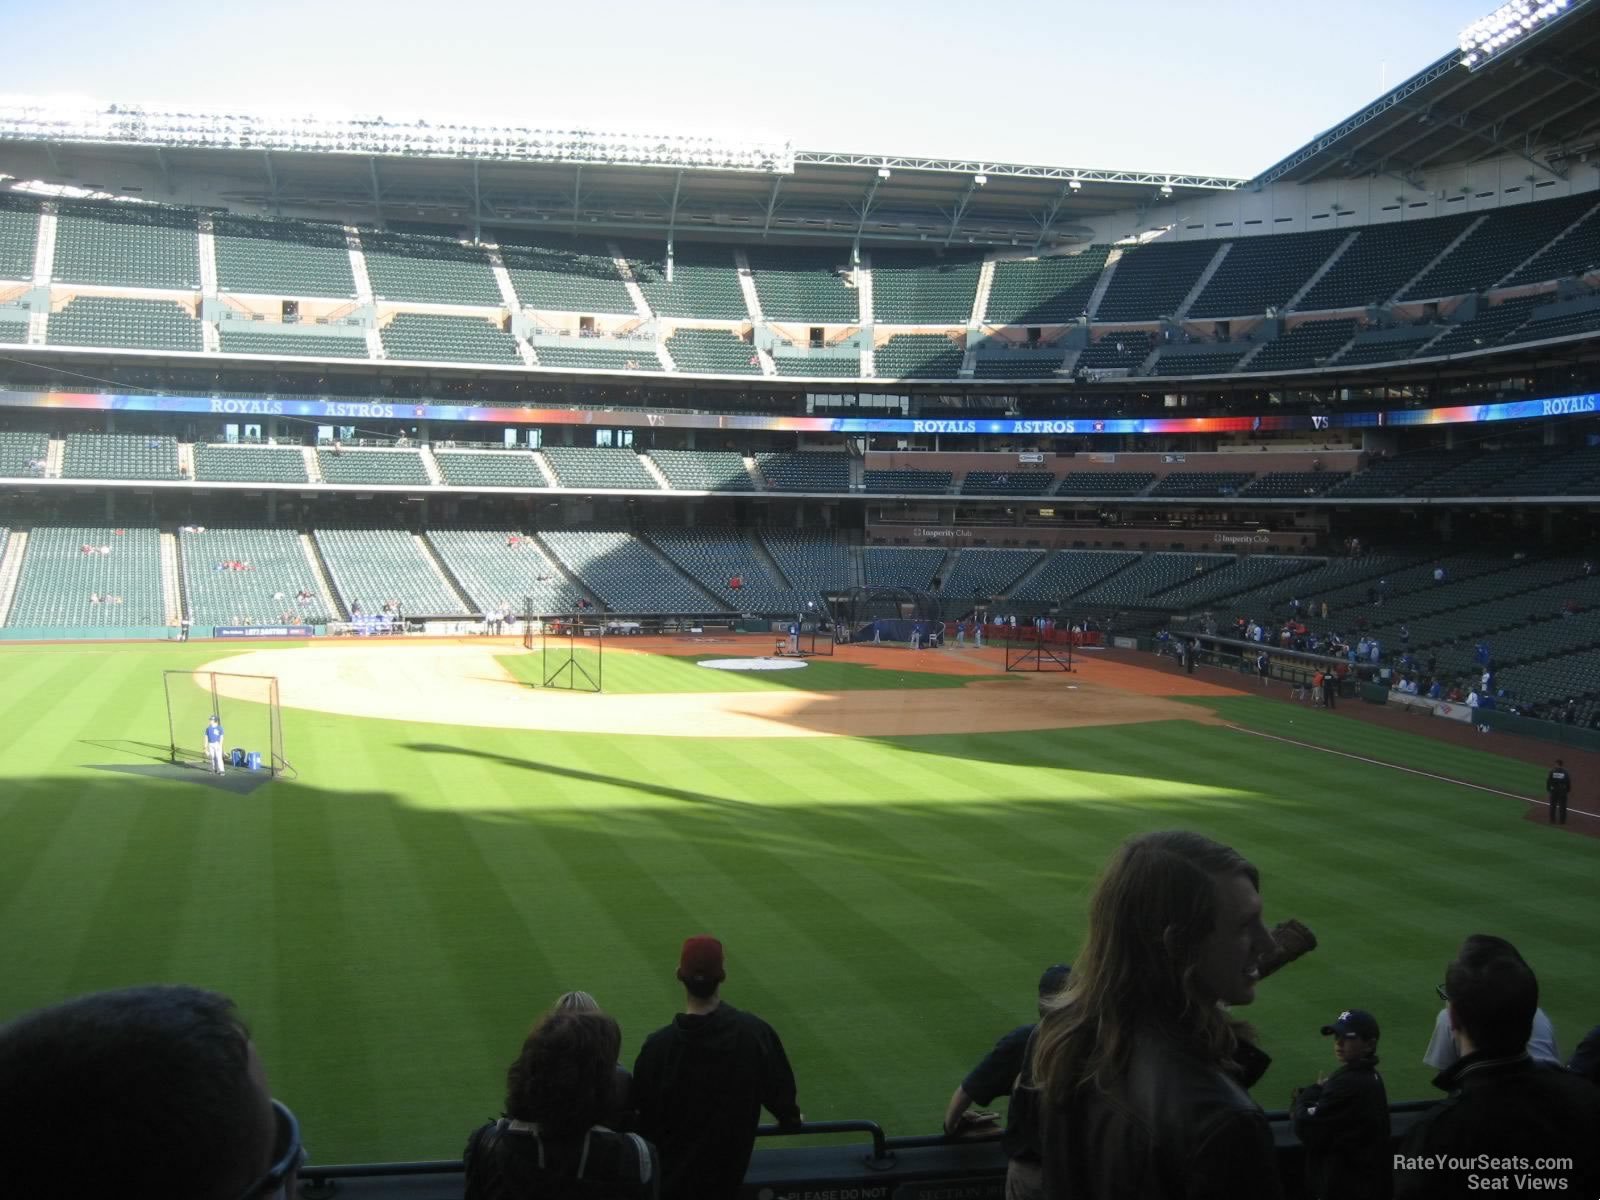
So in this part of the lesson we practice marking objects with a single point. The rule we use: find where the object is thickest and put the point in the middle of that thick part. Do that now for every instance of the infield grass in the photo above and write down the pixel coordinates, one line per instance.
(392, 920)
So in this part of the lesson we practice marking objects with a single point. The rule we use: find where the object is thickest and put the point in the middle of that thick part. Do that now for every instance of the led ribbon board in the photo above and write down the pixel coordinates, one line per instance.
(344, 411)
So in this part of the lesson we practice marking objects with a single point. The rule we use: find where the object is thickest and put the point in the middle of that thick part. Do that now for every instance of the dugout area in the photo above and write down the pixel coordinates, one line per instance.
(248, 707)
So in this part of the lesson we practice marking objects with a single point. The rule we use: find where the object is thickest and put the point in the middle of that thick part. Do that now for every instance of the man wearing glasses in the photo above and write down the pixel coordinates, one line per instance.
(147, 1091)
(1509, 1124)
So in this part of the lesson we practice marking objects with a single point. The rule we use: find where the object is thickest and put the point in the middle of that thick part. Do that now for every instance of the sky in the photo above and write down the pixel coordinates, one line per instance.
(1225, 87)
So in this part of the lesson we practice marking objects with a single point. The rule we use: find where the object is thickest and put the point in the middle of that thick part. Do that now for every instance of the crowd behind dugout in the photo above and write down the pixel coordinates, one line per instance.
(1131, 1083)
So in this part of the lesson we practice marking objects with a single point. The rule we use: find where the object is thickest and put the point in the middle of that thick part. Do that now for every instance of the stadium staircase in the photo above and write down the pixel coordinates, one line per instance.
(864, 292)
(641, 306)
(561, 568)
(172, 598)
(671, 568)
(980, 298)
(1022, 581)
(11, 571)
(431, 556)
(431, 465)
(313, 465)
(44, 250)
(762, 555)
(1439, 258)
(319, 571)
(38, 326)
(1212, 268)
(1316, 277)
(1103, 284)
(664, 356)
(655, 472)
(54, 458)
(358, 264)
(858, 568)
(1512, 274)
(1148, 366)
(186, 460)
(747, 285)
(546, 469)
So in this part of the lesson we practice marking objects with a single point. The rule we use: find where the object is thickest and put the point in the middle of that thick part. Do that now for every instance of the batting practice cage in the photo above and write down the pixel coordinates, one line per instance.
(246, 705)
(888, 614)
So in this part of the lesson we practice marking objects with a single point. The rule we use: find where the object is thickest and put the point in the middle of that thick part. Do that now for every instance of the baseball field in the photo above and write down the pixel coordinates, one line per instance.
(890, 844)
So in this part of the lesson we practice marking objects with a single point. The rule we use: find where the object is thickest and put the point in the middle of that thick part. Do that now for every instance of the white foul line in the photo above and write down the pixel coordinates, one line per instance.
(1378, 762)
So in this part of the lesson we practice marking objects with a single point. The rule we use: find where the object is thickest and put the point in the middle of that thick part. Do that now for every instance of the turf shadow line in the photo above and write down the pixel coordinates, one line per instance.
(632, 785)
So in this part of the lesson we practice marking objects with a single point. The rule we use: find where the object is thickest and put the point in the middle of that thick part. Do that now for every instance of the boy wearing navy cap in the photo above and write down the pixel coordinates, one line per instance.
(1343, 1118)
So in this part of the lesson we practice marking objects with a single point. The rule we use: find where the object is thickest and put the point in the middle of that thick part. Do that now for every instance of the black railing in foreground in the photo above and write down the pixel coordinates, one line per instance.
(789, 1174)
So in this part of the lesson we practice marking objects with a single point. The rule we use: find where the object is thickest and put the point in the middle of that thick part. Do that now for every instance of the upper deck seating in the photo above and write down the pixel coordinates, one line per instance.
(127, 245)
(1151, 281)
(1044, 291)
(704, 283)
(282, 258)
(564, 274)
(1382, 260)
(1506, 237)
(428, 270)
(1264, 272)
(913, 287)
(801, 284)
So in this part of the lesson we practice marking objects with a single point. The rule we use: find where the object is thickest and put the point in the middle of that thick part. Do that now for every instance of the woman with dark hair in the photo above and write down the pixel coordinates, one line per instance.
(1140, 1069)
(552, 1143)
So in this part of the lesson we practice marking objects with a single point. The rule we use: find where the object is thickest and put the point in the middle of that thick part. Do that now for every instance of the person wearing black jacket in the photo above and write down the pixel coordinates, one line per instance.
(1526, 1127)
(1343, 1119)
(1557, 785)
(700, 1083)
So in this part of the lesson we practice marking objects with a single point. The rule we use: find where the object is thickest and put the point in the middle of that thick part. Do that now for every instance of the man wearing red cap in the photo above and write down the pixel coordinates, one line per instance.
(700, 1083)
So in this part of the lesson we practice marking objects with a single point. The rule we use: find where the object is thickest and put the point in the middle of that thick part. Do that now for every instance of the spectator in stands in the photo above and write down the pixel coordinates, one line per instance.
(997, 1070)
(560, 1091)
(700, 1083)
(1438, 574)
(1586, 1059)
(1140, 1068)
(1502, 1104)
(147, 1091)
(1343, 1118)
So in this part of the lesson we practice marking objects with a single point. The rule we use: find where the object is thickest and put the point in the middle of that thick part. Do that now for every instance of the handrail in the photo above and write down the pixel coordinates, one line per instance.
(881, 1158)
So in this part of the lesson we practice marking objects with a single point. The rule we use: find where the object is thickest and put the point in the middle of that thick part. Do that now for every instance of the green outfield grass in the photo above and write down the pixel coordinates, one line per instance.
(392, 920)
(636, 673)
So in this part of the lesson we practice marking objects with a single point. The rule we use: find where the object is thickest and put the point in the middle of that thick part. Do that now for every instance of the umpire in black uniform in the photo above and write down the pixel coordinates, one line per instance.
(1556, 785)
(1343, 1118)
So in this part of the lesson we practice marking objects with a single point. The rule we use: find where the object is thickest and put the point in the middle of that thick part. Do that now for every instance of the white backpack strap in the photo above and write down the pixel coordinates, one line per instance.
(583, 1158)
(642, 1149)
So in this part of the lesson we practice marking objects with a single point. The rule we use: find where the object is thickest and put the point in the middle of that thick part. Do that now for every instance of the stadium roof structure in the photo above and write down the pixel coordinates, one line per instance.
(1538, 98)
(376, 170)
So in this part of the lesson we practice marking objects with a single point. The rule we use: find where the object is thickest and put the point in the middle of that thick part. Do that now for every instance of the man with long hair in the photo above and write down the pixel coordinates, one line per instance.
(1141, 1069)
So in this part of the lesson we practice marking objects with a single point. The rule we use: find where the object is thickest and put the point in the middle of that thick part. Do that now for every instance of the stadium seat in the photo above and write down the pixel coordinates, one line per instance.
(58, 581)
(1044, 291)
(282, 258)
(126, 245)
(913, 287)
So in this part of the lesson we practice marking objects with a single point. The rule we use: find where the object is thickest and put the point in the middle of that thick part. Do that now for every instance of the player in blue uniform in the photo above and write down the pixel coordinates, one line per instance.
(214, 745)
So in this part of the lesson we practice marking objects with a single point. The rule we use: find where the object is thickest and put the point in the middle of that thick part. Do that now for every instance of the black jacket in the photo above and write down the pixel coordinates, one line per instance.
(1173, 1128)
(699, 1086)
(1344, 1126)
(1504, 1108)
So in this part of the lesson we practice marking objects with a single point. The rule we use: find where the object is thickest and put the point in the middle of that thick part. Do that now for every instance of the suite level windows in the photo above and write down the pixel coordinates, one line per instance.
(613, 437)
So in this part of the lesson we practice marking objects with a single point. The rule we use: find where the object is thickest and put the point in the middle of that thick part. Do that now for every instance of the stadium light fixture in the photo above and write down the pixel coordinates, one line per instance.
(1074, 185)
(22, 119)
(1490, 35)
